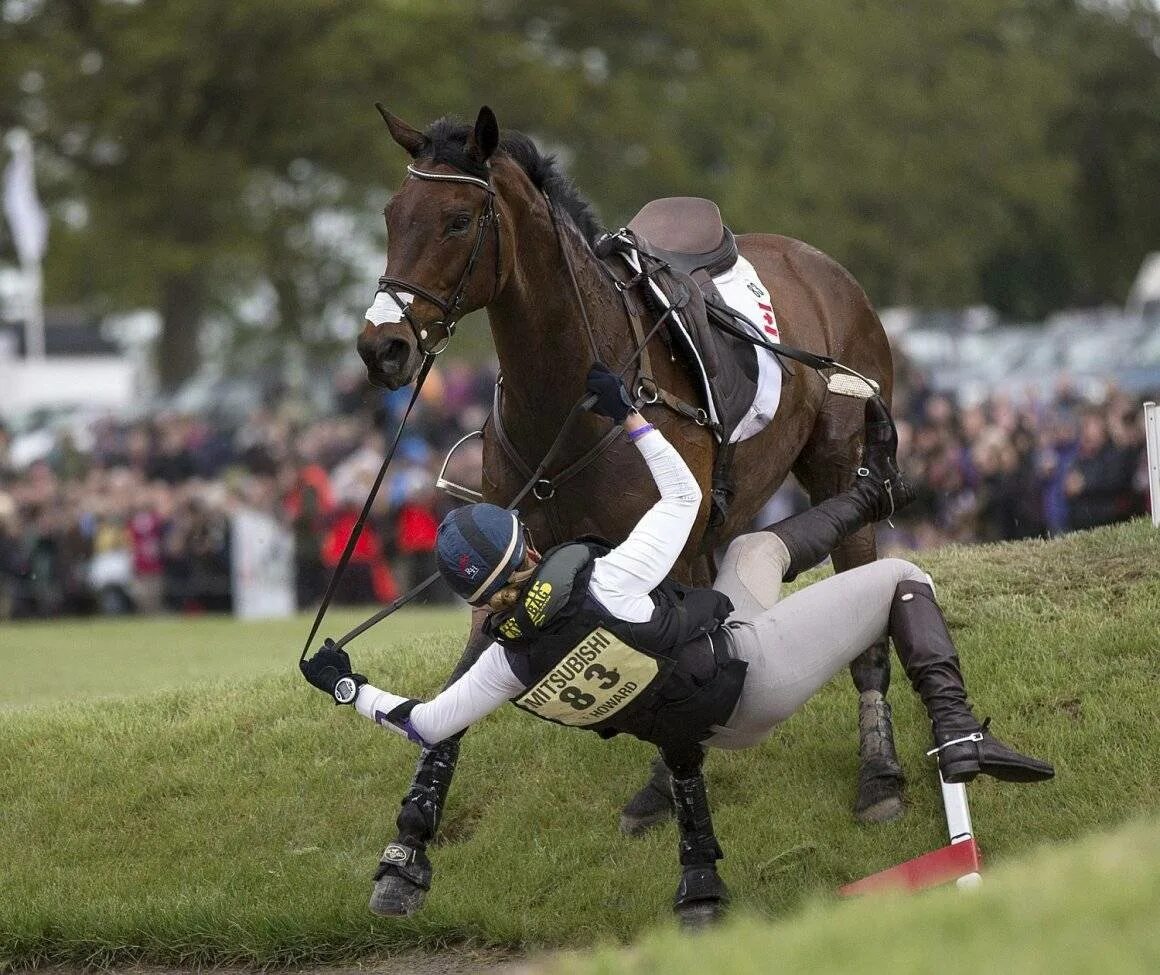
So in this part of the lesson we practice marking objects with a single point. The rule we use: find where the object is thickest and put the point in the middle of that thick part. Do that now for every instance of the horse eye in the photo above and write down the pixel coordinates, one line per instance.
(459, 223)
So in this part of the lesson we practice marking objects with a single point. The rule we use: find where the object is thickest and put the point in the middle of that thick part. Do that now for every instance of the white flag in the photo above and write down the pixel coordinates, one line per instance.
(26, 217)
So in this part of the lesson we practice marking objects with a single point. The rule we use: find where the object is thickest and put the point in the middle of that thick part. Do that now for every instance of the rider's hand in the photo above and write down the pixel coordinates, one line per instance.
(612, 399)
(327, 667)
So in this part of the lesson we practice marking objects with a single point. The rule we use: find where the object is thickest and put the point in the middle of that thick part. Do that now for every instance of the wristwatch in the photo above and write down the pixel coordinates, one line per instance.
(346, 690)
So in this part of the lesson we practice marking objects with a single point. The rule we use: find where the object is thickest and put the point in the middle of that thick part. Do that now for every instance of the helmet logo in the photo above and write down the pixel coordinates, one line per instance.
(465, 566)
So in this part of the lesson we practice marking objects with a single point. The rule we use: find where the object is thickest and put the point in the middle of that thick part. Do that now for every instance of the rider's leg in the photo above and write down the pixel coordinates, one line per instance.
(879, 490)
(796, 647)
(965, 746)
(756, 564)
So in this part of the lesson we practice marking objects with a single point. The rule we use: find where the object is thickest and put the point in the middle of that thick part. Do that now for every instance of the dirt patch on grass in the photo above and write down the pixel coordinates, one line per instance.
(449, 962)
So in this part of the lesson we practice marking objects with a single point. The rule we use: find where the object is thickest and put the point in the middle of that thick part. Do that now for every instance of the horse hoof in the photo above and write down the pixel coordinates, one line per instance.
(879, 795)
(639, 825)
(700, 914)
(648, 808)
(884, 811)
(701, 897)
(396, 896)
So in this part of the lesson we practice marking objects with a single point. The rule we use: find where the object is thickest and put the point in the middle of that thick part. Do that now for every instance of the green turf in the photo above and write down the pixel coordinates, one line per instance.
(240, 821)
(1070, 910)
(104, 658)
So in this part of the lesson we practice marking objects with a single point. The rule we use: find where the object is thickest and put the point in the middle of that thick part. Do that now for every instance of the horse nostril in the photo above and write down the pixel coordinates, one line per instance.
(394, 356)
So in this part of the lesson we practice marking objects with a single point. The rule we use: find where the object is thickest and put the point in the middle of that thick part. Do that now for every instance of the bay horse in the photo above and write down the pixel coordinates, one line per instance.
(484, 221)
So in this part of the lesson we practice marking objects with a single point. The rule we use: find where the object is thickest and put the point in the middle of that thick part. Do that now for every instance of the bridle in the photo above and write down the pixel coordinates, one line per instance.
(449, 307)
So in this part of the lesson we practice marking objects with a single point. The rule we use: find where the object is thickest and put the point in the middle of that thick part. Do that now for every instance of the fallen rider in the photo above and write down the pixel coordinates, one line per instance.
(598, 637)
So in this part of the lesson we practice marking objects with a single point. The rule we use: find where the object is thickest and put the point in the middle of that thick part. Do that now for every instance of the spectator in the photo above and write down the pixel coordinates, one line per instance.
(1098, 480)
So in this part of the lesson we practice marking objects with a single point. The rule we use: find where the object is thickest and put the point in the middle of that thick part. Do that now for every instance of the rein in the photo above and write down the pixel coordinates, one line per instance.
(356, 531)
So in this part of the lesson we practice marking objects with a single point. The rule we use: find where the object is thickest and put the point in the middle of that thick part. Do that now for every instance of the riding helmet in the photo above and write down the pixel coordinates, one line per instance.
(478, 547)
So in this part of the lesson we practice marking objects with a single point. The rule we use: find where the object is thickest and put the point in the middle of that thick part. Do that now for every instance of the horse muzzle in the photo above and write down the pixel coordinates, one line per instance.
(392, 358)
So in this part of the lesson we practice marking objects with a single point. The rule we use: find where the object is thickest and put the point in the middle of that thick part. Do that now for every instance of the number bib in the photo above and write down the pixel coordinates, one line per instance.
(598, 677)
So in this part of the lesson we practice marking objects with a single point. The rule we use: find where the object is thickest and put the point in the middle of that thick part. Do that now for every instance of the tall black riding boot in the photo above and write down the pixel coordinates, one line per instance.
(879, 490)
(964, 746)
(701, 894)
(403, 876)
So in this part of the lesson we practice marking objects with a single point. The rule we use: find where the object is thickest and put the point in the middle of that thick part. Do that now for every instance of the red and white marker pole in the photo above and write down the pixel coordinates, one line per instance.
(959, 860)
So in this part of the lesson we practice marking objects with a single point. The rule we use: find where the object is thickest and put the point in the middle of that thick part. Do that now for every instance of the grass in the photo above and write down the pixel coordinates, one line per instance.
(238, 821)
(107, 658)
(1083, 908)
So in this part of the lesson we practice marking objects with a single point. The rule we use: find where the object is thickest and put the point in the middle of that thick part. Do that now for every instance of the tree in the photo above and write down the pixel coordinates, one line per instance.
(171, 121)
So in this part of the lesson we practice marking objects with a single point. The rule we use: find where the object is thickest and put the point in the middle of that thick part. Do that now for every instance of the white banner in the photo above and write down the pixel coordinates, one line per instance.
(26, 217)
(262, 566)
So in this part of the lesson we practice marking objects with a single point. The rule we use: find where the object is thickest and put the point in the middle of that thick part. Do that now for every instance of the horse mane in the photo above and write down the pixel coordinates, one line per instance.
(448, 144)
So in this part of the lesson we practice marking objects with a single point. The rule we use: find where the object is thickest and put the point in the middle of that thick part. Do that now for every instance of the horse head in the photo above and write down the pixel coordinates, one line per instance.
(443, 250)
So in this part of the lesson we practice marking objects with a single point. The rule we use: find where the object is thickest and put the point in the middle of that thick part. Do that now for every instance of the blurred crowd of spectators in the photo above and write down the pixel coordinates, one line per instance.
(1017, 466)
(138, 518)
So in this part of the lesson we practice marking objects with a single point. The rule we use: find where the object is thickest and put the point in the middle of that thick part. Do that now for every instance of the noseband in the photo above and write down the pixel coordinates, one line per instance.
(450, 306)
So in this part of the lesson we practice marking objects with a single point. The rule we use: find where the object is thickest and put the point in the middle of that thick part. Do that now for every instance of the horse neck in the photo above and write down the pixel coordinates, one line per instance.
(540, 337)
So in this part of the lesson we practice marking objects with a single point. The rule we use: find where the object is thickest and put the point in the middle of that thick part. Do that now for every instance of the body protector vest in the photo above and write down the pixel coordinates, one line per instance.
(667, 680)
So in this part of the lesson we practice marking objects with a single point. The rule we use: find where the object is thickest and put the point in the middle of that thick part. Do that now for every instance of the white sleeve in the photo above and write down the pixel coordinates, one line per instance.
(487, 684)
(642, 561)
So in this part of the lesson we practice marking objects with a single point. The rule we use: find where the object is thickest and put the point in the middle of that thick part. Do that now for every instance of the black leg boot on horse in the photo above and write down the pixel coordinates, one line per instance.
(879, 490)
(701, 894)
(403, 877)
(965, 746)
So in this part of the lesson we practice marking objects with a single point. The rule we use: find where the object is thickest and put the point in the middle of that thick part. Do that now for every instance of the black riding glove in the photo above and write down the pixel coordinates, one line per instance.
(327, 667)
(612, 399)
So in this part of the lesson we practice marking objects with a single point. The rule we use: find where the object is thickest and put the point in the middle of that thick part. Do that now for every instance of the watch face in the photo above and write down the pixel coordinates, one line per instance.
(346, 690)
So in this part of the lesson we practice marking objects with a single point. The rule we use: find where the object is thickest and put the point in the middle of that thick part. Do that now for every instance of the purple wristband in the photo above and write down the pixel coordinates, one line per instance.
(635, 435)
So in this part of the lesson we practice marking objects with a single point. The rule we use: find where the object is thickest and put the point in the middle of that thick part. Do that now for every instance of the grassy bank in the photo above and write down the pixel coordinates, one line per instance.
(240, 820)
(1069, 910)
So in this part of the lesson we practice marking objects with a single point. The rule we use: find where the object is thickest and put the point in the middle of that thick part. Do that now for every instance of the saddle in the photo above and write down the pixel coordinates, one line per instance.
(670, 252)
(686, 233)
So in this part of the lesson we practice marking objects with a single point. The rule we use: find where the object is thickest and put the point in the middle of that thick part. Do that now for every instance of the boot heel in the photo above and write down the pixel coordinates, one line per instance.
(964, 770)
(958, 759)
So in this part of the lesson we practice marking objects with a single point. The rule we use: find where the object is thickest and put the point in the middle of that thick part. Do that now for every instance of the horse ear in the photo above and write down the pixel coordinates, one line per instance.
(409, 138)
(482, 142)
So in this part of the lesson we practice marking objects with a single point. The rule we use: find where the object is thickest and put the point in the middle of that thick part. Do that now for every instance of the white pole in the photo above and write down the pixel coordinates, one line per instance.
(959, 826)
(29, 225)
(34, 312)
(1152, 439)
(954, 797)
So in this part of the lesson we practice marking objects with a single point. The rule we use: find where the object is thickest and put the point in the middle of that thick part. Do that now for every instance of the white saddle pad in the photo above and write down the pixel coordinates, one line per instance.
(743, 292)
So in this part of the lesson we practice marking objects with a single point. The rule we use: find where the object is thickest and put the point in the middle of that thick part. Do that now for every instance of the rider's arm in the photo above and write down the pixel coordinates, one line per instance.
(488, 683)
(638, 565)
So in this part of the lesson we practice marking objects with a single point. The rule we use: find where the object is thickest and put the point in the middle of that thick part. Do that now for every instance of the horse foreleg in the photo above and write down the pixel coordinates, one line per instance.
(880, 776)
(826, 468)
(404, 873)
